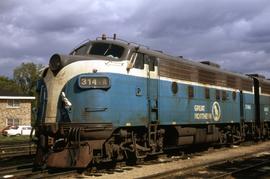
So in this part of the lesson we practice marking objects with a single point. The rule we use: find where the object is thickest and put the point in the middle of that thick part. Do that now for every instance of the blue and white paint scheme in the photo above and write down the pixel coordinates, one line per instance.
(125, 102)
(111, 99)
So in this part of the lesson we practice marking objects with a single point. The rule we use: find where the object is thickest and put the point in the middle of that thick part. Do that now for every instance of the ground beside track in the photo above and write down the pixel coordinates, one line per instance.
(205, 158)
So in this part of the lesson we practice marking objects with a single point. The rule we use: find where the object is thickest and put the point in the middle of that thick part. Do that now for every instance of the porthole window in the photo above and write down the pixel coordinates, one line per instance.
(174, 87)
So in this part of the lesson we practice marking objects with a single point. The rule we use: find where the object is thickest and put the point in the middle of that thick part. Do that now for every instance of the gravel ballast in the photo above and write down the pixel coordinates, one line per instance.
(195, 161)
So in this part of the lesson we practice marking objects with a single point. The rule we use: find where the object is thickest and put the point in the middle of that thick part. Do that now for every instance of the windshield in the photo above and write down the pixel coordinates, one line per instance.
(82, 50)
(108, 50)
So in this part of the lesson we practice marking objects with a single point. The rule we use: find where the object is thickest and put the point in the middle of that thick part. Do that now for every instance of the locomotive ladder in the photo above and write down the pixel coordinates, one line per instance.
(152, 135)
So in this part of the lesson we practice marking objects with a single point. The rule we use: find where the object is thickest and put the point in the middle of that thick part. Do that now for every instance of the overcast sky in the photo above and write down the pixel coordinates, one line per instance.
(232, 33)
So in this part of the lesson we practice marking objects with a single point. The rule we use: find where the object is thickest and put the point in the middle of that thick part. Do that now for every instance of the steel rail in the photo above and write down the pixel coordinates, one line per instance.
(4, 170)
(242, 169)
(186, 170)
(17, 150)
(29, 172)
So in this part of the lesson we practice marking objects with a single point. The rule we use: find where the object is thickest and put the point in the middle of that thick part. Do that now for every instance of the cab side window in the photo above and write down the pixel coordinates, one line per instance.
(139, 62)
(142, 59)
(152, 63)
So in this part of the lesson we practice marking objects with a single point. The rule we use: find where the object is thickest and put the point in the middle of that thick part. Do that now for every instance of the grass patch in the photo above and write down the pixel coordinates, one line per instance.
(13, 139)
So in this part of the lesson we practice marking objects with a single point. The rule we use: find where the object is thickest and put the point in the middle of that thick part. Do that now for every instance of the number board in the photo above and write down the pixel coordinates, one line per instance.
(94, 82)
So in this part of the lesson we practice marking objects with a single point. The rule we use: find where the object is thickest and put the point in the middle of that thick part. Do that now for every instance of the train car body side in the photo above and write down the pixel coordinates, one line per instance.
(135, 102)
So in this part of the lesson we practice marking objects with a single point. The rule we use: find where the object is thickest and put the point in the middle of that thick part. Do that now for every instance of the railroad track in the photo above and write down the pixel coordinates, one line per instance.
(23, 172)
(28, 171)
(160, 159)
(6, 170)
(243, 168)
(106, 169)
(7, 151)
(238, 168)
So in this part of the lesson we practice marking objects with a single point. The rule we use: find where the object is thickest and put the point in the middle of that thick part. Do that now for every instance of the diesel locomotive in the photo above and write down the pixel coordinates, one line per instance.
(111, 100)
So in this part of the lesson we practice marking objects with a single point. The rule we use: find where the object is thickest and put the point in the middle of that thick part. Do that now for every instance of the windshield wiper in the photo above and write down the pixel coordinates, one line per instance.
(110, 46)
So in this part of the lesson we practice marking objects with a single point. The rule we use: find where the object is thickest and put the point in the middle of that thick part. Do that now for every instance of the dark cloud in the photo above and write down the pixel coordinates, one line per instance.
(227, 32)
(7, 6)
(189, 17)
(232, 33)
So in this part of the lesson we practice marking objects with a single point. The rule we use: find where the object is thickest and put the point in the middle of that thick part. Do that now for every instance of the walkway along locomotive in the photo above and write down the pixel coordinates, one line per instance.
(113, 100)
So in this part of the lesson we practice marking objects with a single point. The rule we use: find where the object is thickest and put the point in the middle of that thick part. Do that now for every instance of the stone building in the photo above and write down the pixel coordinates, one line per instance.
(15, 109)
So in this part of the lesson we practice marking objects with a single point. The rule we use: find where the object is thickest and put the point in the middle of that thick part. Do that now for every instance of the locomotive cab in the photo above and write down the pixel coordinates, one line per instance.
(81, 105)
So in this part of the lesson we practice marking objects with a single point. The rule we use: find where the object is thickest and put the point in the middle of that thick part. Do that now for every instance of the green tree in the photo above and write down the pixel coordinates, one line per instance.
(9, 85)
(26, 76)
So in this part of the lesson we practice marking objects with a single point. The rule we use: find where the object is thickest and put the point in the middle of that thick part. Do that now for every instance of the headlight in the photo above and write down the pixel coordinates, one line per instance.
(55, 63)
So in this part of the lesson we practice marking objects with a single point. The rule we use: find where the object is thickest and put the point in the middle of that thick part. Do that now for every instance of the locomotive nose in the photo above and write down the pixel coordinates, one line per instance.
(58, 61)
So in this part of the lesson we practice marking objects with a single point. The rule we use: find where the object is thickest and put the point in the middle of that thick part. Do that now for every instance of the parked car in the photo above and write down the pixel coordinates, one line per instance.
(4, 130)
(19, 130)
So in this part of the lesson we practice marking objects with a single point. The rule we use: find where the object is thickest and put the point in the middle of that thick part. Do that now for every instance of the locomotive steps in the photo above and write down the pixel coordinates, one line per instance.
(162, 170)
